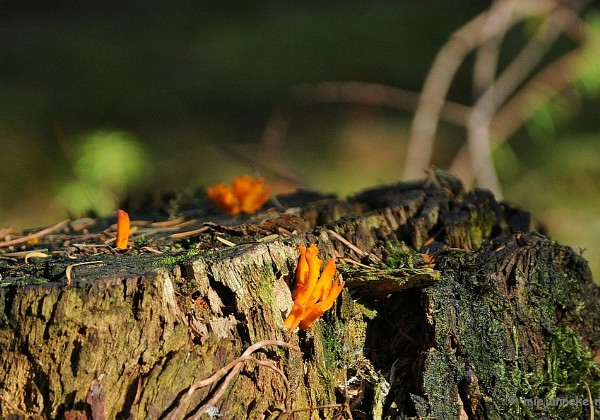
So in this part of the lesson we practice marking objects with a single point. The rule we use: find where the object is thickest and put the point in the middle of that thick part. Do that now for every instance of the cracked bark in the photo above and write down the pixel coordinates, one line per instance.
(472, 338)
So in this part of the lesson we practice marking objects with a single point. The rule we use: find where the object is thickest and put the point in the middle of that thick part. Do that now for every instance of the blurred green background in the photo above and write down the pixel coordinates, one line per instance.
(105, 100)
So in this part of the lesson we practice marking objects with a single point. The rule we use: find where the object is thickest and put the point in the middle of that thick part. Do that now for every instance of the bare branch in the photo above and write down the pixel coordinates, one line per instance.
(476, 32)
(352, 93)
(480, 140)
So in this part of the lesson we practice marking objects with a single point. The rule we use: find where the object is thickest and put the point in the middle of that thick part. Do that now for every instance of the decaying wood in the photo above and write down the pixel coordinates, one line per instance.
(453, 309)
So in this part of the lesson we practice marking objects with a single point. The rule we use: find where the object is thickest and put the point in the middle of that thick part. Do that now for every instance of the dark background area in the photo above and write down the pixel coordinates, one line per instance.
(105, 100)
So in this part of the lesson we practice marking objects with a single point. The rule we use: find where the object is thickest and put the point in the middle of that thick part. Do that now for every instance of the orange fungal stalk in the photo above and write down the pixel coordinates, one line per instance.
(313, 294)
(123, 227)
(246, 194)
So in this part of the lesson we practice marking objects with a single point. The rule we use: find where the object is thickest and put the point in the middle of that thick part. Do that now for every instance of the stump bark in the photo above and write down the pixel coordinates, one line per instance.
(453, 310)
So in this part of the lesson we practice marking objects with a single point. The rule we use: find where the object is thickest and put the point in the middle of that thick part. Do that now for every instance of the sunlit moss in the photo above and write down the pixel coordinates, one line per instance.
(399, 256)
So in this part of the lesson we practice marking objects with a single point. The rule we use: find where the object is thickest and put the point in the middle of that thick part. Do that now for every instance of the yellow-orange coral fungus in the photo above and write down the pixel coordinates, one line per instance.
(123, 227)
(246, 194)
(313, 294)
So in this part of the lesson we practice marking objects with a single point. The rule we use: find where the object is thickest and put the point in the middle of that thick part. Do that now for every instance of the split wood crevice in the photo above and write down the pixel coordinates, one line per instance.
(504, 315)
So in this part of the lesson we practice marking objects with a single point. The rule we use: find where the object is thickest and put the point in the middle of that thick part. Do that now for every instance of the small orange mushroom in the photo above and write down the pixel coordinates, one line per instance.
(246, 194)
(123, 227)
(313, 294)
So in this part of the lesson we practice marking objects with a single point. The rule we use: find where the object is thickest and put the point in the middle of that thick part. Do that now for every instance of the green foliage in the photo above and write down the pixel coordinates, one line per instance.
(556, 112)
(111, 159)
(107, 163)
(588, 66)
(559, 111)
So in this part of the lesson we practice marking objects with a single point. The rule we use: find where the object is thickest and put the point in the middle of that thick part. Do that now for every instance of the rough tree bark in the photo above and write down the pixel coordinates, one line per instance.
(452, 309)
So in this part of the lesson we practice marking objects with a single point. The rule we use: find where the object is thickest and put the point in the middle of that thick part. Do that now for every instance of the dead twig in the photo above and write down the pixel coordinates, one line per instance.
(231, 370)
(354, 248)
(350, 93)
(169, 223)
(35, 235)
(190, 232)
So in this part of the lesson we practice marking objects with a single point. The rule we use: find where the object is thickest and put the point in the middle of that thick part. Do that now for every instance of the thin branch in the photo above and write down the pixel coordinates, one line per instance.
(486, 59)
(553, 79)
(544, 86)
(474, 33)
(435, 89)
(232, 374)
(350, 93)
(354, 248)
(489, 127)
(502, 88)
(372, 94)
(280, 372)
(486, 67)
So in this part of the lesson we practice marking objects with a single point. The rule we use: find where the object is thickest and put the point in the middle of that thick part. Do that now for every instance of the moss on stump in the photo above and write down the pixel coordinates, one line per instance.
(453, 309)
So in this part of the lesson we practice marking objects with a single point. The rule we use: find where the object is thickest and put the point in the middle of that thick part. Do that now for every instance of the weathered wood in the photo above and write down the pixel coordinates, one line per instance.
(503, 316)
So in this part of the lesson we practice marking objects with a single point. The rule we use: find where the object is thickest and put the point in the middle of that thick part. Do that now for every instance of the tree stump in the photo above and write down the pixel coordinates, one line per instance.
(452, 309)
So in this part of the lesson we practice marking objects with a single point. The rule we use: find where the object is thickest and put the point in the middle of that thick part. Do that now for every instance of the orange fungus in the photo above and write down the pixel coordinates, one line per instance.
(246, 194)
(123, 227)
(315, 291)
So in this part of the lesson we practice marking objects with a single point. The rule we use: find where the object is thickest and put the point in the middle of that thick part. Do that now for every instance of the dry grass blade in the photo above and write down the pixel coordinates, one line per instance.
(225, 241)
(590, 399)
(268, 237)
(355, 263)
(70, 267)
(35, 254)
(24, 254)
